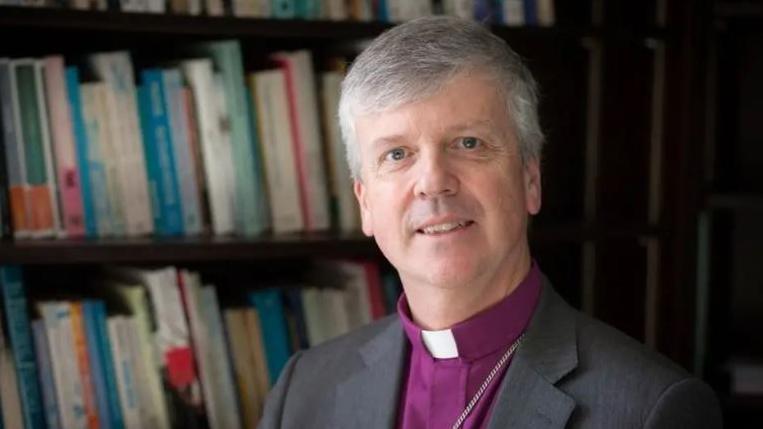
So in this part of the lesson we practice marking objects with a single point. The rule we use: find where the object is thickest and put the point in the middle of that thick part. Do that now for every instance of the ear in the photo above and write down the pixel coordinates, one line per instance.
(365, 209)
(533, 191)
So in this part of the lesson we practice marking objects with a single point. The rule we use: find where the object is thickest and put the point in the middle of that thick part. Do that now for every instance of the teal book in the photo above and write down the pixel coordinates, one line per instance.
(160, 156)
(97, 373)
(249, 187)
(284, 9)
(308, 9)
(20, 333)
(47, 381)
(269, 305)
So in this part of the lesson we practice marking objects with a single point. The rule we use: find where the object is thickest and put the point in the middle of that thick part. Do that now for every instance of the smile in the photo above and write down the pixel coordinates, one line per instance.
(443, 228)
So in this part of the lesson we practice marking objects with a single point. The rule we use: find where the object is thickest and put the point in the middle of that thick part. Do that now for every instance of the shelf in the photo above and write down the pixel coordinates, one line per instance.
(207, 26)
(157, 250)
(744, 9)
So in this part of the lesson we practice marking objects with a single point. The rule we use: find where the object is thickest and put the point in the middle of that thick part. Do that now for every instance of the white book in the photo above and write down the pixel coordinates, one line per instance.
(124, 369)
(356, 287)
(69, 389)
(460, 8)
(514, 12)
(303, 103)
(201, 344)
(135, 347)
(10, 402)
(278, 150)
(263, 8)
(181, 145)
(312, 309)
(115, 69)
(335, 10)
(222, 373)
(244, 8)
(546, 13)
(50, 162)
(218, 164)
(334, 301)
(156, 6)
(194, 7)
(341, 180)
(214, 7)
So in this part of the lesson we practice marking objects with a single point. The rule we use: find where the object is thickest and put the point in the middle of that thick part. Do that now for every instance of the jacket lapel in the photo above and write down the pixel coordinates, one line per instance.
(369, 397)
(527, 397)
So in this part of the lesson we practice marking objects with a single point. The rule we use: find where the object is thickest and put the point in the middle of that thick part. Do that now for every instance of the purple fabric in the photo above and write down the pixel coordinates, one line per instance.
(436, 391)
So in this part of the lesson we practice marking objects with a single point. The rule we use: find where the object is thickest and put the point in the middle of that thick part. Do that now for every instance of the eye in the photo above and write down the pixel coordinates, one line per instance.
(395, 154)
(469, 142)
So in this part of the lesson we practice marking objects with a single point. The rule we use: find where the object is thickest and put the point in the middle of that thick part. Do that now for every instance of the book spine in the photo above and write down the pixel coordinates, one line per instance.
(263, 206)
(47, 151)
(100, 323)
(14, 150)
(47, 382)
(278, 152)
(152, 168)
(124, 369)
(514, 12)
(164, 156)
(194, 144)
(270, 308)
(115, 69)
(20, 332)
(283, 9)
(97, 376)
(184, 165)
(38, 193)
(83, 363)
(6, 223)
(243, 365)
(375, 296)
(531, 12)
(81, 149)
(217, 162)
(63, 144)
(97, 173)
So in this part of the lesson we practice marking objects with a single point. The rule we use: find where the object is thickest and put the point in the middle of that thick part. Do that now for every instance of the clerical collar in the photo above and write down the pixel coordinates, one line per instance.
(485, 332)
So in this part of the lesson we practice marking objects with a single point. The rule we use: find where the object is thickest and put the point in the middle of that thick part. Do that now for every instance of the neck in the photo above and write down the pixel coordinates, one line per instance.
(437, 307)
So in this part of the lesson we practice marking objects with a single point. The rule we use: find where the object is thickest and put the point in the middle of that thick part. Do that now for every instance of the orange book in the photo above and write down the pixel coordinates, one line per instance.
(83, 362)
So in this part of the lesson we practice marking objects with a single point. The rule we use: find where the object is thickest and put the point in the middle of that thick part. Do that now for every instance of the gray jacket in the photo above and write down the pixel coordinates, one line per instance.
(570, 371)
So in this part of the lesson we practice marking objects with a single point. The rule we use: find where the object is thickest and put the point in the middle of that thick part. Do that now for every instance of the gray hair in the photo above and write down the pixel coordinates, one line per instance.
(412, 61)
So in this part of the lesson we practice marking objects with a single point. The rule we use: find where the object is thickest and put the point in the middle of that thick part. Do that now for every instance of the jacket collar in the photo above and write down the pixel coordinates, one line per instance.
(370, 396)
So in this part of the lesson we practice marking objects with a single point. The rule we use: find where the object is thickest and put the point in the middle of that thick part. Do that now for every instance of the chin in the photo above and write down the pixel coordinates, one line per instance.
(450, 274)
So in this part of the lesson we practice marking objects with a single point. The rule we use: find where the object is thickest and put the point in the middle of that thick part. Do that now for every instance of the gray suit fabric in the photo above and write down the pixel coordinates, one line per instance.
(570, 371)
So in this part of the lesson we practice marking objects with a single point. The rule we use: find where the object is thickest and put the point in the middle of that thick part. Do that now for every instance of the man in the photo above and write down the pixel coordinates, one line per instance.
(440, 123)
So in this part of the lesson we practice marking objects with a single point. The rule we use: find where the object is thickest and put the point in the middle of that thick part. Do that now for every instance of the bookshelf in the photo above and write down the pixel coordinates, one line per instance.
(621, 100)
(730, 231)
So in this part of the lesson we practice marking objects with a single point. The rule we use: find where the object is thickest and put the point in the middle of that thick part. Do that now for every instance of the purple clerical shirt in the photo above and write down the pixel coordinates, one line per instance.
(445, 368)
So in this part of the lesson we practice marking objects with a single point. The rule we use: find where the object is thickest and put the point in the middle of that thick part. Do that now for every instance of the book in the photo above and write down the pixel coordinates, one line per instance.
(124, 370)
(47, 151)
(62, 136)
(283, 9)
(248, 179)
(269, 89)
(101, 174)
(269, 305)
(14, 151)
(306, 137)
(243, 365)
(39, 194)
(81, 150)
(254, 334)
(20, 336)
(115, 70)
(6, 222)
(185, 167)
(160, 154)
(56, 316)
(344, 203)
(514, 12)
(45, 372)
(83, 364)
(10, 400)
(217, 160)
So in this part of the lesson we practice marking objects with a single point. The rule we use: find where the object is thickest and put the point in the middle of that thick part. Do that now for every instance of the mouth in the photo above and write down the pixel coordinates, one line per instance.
(444, 227)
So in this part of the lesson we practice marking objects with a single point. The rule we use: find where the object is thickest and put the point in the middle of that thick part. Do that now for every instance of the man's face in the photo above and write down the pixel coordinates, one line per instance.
(443, 188)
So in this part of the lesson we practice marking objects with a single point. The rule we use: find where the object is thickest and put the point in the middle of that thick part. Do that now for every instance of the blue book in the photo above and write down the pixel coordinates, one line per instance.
(284, 9)
(20, 333)
(275, 333)
(382, 11)
(96, 364)
(294, 304)
(47, 382)
(81, 144)
(160, 157)
(531, 12)
(308, 9)
(110, 376)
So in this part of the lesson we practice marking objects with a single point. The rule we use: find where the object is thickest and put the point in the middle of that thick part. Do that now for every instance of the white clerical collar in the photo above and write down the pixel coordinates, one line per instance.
(441, 344)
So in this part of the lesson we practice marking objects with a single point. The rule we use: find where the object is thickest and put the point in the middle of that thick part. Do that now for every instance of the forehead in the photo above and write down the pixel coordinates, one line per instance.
(467, 101)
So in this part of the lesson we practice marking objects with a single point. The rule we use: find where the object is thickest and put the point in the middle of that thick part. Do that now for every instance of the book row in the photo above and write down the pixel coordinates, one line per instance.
(197, 145)
(506, 12)
(159, 348)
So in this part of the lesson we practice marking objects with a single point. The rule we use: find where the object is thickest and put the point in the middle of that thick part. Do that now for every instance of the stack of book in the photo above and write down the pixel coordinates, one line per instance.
(198, 145)
(506, 12)
(154, 348)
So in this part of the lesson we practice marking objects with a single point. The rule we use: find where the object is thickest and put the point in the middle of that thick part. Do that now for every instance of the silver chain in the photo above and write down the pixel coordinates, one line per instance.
(486, 383)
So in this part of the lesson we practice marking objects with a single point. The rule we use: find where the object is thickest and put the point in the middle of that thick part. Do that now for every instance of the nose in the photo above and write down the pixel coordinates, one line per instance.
(435, 177)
